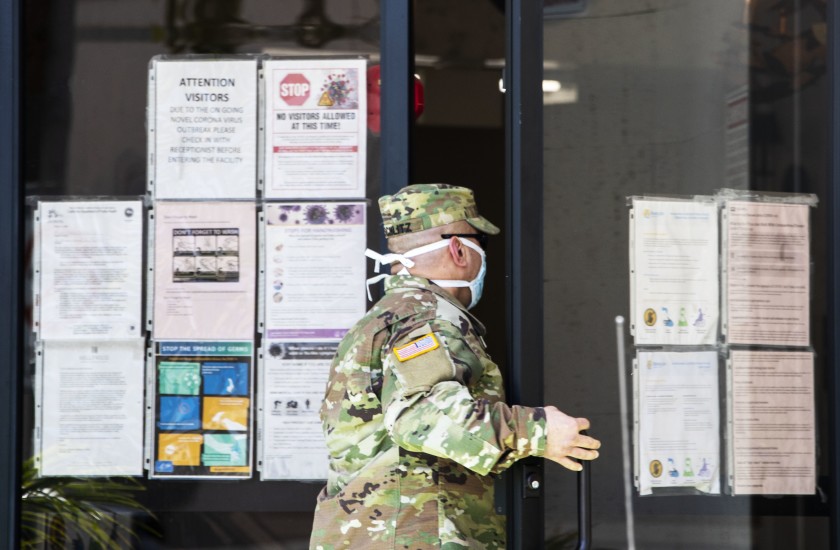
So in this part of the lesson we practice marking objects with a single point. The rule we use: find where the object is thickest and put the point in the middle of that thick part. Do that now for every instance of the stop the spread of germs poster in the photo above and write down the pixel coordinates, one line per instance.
(202, 422)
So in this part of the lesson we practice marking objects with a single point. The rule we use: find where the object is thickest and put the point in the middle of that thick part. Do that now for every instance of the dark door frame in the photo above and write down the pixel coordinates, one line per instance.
(524, 252)
(11, 271)
(833, 252)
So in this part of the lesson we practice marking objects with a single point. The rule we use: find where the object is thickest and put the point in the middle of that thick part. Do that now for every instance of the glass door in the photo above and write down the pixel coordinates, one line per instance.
(674, 101)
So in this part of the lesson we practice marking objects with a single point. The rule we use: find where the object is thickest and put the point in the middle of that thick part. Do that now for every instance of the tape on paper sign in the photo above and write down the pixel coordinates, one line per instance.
(417, 347)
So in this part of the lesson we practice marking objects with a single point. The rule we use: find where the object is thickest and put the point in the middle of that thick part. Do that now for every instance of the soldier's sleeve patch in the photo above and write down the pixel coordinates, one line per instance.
(417, 347)
(422, 363)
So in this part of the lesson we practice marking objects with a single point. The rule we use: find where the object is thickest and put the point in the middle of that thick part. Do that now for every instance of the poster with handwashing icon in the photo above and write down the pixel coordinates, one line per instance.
(179, 413)
(204, 263)
(678, 421)
(203, 419)
(315, 269)
(177, 378)
(674, 272)
(179, 450)
(225, 378)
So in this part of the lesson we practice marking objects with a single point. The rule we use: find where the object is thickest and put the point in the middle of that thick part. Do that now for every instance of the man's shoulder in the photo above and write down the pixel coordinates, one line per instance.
(400, 307)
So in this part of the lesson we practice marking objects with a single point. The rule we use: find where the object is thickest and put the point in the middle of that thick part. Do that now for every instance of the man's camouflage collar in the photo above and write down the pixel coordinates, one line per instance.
(397, 283)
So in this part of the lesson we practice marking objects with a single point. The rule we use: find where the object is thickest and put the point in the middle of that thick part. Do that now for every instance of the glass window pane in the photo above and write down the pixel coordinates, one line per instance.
(636, 99)
(85, 83)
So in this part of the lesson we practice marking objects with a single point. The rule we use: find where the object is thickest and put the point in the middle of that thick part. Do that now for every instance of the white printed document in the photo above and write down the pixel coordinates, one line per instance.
(204, 128)
(674, 272)
(294, 377)
(91, 269)
(767, 273)
(679, 421)
(92, 408)
(773, 434)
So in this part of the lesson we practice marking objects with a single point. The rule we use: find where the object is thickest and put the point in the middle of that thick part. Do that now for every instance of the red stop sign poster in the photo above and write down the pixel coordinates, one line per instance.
(294, 89)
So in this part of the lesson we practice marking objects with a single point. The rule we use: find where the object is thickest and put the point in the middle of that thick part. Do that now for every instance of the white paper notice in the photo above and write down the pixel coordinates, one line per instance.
(204, 271)
(205, 129)
(767, 274)
(91, 269)
(679, 421)
(773, 442)
(92, 408)
(674, 255)
(295, 378)
(314, 269)
(315, 128)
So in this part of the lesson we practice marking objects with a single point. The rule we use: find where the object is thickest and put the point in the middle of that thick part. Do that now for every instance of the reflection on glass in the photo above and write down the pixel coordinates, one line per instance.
(669, 98)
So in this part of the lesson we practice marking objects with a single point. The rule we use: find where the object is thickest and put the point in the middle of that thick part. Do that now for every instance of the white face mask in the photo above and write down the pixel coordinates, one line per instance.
(476, 286)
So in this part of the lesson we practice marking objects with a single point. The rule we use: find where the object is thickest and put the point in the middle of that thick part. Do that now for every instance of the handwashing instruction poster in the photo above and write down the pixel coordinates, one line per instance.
(202, 424)
(679, 421)
(314, 269)
(205, 270)
(674, 272)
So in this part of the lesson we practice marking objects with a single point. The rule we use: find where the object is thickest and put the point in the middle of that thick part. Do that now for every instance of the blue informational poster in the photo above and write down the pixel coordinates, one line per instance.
(203, 410)
(225, 378)
(179, 413)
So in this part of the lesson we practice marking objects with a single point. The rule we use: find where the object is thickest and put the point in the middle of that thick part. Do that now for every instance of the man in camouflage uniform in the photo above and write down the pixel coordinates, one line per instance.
(414, 413)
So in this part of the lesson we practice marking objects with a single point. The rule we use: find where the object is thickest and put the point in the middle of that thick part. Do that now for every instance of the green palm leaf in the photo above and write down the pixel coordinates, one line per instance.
(53, 509)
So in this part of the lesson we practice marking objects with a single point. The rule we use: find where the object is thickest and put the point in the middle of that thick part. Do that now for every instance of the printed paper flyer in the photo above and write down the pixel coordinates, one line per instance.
(316, 128)
(92, 408)
(315, 269)
(679, 421)
(773, 433)
(203, 410)
(205, 269)
(674, 271)
(204, 137)
(767, 273)
(91, 269)
(294, 380)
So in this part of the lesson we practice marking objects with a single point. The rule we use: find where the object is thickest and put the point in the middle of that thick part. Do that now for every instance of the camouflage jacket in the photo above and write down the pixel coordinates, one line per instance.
(415, 420)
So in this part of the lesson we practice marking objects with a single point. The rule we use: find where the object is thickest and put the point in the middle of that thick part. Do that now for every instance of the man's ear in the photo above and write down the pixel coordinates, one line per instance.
(457, 252)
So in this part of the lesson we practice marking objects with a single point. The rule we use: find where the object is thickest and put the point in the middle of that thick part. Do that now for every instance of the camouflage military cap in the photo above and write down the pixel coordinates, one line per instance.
(426, 205)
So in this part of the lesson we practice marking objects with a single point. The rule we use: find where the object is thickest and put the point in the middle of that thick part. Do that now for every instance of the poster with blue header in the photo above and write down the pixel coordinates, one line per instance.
(203, 410)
